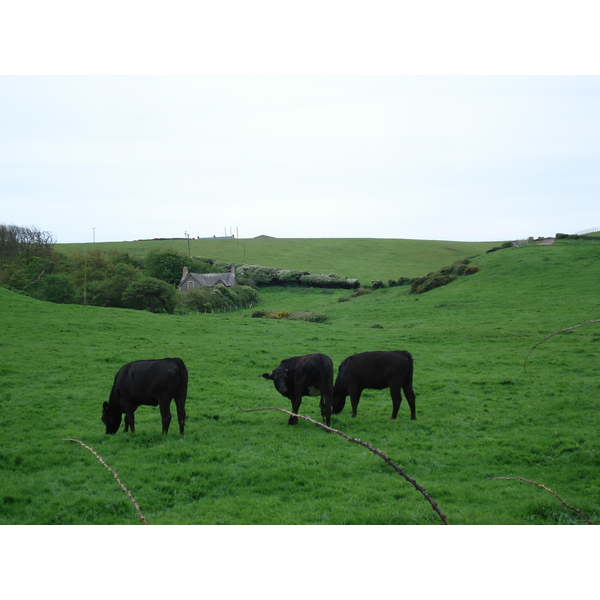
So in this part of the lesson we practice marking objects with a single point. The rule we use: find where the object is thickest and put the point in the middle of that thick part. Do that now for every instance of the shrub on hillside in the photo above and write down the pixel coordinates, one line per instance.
(166, 265)
(57, 288)
(282, 314)
(150, 293)
(505, 245)
(218, 298)
(405, 281)
(293, 315)
(442, 277)
(430, 282)
(360, 292)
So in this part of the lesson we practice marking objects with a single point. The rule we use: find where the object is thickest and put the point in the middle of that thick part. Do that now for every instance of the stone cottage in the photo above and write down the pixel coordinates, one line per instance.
(189, 281)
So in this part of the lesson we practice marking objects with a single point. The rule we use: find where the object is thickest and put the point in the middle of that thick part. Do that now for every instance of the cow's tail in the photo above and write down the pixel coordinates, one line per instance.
(409, 375)
(182, 388)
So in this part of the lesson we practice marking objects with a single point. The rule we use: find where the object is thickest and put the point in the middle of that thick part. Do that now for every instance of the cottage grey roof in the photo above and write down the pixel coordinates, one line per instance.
(210, 279)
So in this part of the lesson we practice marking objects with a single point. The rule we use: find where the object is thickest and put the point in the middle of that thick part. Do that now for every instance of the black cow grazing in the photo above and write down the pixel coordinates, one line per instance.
(148, 382)
(375, 371)
(308, 375)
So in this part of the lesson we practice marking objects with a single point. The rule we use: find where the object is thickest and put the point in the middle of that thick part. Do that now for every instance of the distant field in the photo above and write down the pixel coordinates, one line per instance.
(363, 259)
(479, 414)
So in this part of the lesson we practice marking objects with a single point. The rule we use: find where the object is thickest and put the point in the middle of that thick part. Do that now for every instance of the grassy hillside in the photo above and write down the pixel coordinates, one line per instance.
(363, 259)
(479, 414)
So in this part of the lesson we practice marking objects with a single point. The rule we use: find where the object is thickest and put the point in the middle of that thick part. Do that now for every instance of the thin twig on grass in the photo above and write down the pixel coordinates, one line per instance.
(135, 504)
(548, 490)
(559, 331)
(368, 447)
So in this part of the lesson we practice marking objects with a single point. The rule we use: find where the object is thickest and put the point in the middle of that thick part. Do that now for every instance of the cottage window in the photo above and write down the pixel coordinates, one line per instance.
(190, 285)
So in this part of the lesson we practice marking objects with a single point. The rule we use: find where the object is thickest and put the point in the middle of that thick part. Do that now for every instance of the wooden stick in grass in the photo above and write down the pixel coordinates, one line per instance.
(135, 504)
(559, 331)
(368, 447)
(548, 490)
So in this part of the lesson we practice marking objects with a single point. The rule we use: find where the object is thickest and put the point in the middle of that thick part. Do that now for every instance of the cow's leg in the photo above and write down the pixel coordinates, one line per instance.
(325, 406)
(180, 404)
(295, 408)
(410, 397)
(129, 422)
(396, 399)
(354, 398)
(165, 413)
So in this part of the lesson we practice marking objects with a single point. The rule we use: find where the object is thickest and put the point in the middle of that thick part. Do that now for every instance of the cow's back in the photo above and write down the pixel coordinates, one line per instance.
(373, 370)
(315, 369)
(143, 379)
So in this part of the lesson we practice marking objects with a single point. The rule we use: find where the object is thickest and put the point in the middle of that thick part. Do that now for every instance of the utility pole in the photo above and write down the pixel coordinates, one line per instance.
(94, 232)
(187, 235)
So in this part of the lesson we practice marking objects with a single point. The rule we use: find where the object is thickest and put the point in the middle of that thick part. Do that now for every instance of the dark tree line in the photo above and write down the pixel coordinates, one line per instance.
(23, 242)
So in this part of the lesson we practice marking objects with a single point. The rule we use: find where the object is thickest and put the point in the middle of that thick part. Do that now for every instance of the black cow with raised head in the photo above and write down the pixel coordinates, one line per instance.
(151, 383)
(375, 371)
(308, 375)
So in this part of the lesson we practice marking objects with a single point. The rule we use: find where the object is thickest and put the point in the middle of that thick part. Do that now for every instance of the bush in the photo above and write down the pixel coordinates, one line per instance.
(282, 314)
(442, 277)
(505, 245)
(430, 282)
(220, 297)
(166, 265)
(308, 316)
(360, 292)
(405, 281)
(294, 316)
(149, 293)
(377, 284)
(57, 288)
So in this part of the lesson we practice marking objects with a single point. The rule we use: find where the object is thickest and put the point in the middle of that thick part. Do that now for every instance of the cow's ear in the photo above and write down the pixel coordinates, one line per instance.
(268, 375)
(105, 405)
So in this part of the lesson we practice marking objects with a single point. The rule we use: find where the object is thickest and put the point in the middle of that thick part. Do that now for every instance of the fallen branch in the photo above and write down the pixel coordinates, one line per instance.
(368, 447)
(548, 490)
(135, 504)
(559, 331)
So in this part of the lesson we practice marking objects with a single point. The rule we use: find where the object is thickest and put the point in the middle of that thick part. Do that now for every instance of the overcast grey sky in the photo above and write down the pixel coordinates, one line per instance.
(451, 157)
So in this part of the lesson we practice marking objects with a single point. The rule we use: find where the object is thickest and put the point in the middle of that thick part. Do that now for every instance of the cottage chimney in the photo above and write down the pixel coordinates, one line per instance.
(185, 273)
(232, 269)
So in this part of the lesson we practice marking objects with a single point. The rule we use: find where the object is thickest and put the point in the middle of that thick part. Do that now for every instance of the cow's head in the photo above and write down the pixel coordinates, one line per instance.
(339, 399)
(111, 418)
(281, 378)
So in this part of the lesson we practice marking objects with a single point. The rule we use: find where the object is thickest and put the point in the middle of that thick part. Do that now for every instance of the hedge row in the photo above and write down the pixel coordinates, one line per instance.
(442, 277)
(566, 236)
(260, 275)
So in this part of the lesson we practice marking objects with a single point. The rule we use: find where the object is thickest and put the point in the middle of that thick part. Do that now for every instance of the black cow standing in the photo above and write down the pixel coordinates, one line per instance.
(148, 382)
(375, 371)
(308, 375)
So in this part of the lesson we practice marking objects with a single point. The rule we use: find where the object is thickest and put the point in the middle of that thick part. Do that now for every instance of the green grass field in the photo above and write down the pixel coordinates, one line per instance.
(479, 414)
